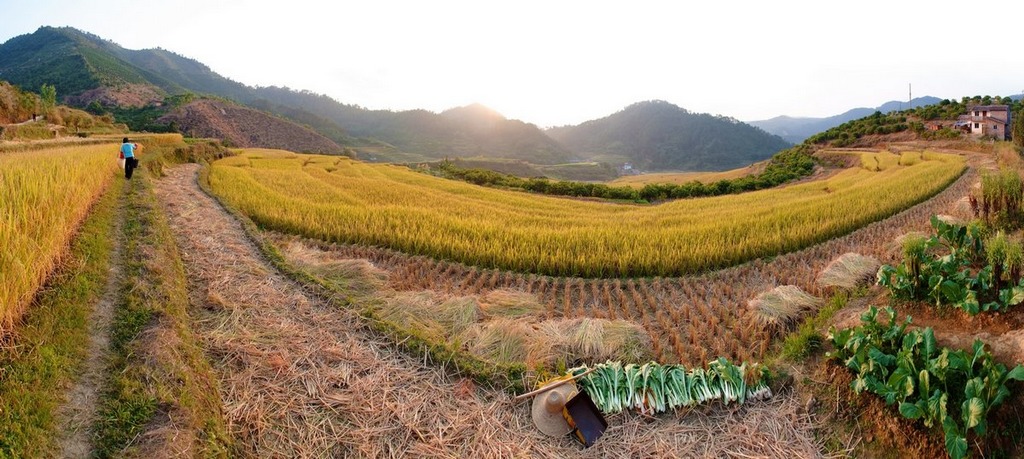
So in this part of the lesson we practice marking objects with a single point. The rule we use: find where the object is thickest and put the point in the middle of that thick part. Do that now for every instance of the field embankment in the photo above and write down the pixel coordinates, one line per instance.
(339, 200)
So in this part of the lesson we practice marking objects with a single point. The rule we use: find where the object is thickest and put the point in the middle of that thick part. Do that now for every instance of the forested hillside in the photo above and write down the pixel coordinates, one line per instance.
(657, 135)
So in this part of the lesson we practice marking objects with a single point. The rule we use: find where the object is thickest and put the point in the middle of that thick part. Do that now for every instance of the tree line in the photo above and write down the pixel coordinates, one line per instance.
(785, 166)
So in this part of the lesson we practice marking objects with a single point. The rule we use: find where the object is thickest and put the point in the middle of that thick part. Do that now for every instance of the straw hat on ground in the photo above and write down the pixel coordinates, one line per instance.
(547, 410)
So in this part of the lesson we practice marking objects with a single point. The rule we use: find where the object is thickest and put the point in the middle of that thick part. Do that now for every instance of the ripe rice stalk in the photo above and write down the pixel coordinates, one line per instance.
(849, 270)
(44, 196)
(511, 304)
(780, 307)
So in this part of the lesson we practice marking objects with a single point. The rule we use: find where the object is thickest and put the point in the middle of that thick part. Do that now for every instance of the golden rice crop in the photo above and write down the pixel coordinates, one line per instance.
(44, 196)
(341, 200)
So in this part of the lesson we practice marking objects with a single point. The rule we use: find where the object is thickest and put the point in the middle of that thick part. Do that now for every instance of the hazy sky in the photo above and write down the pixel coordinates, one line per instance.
(563, 62)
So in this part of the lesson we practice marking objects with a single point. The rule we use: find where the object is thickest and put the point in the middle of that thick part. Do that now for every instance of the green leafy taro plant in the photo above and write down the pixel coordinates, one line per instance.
(958, 267)
(942, 387)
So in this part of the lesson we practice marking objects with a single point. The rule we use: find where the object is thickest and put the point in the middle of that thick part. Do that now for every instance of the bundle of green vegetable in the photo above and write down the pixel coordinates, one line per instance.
(940, 386)
(656, 388)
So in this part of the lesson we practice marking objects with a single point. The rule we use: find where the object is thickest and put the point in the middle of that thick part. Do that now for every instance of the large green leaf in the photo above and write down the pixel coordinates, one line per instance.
(924, 382)
(979, 351)
(953, 291)
(1016, 374)
(970, 304)
(1016, 296)
(975, 387)
(901, 383)
(940, 365)
(928, 341)
(870, 315)
(881, 358)
(958, 362)
(956, 444)
(911, 411)
(973, 411)
(936, 407)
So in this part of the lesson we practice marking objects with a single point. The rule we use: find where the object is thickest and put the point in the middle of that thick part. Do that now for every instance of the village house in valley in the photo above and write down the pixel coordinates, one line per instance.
(987, 120)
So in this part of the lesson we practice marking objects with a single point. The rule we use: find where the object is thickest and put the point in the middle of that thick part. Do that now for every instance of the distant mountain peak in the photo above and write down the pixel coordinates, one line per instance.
(475, 110)
(659, 135)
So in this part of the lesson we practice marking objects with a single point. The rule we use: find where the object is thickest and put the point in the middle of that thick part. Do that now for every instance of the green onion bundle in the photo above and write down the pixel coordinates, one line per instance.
(656, 388)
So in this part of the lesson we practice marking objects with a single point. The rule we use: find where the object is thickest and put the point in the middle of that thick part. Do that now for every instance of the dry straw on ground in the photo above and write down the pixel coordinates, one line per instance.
(510, 304)
(849, 271)
(301, 379)
(780, 307)
(587, 340)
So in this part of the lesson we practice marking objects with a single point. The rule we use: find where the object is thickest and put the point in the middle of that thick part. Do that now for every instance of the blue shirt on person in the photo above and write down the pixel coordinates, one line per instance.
(128, 149)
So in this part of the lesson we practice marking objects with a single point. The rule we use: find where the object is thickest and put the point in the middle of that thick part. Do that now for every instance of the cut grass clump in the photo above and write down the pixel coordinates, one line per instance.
(416, 311)
(502, 340)
(849, 271)
(895, 248)
(457, 314)
(510, 304)
(354, 273)
(585, 340)
(779, 308)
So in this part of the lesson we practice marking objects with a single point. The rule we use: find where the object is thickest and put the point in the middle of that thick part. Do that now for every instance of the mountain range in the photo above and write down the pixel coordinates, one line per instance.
(144, 87)
(796, 129)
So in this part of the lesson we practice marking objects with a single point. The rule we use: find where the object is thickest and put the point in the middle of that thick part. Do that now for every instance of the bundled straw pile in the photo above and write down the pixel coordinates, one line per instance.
(780, 307)
(505, 326)
(510, 304)
(572, 341)
(849, 271)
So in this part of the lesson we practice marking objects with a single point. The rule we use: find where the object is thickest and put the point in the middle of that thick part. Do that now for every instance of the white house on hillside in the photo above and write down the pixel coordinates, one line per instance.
(988, 120)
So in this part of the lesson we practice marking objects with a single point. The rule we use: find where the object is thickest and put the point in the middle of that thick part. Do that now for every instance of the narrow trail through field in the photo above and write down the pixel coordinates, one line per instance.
(300, 378)
(77, 415)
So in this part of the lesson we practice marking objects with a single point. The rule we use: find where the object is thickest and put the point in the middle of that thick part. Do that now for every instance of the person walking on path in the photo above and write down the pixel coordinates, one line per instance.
(130, 163)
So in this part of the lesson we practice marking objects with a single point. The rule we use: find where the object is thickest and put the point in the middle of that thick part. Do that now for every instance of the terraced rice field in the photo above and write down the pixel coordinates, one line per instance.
(340, 200)
(690, 318)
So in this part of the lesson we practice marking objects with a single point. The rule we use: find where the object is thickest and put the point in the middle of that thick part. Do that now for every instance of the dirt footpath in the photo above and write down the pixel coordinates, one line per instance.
(300, 378)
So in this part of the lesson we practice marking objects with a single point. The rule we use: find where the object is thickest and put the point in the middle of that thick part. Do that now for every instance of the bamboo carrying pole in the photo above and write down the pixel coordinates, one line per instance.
(552, 386)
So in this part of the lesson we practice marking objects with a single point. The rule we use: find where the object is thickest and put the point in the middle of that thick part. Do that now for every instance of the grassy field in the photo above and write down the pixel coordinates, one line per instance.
(44, 196)
(340, 200)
